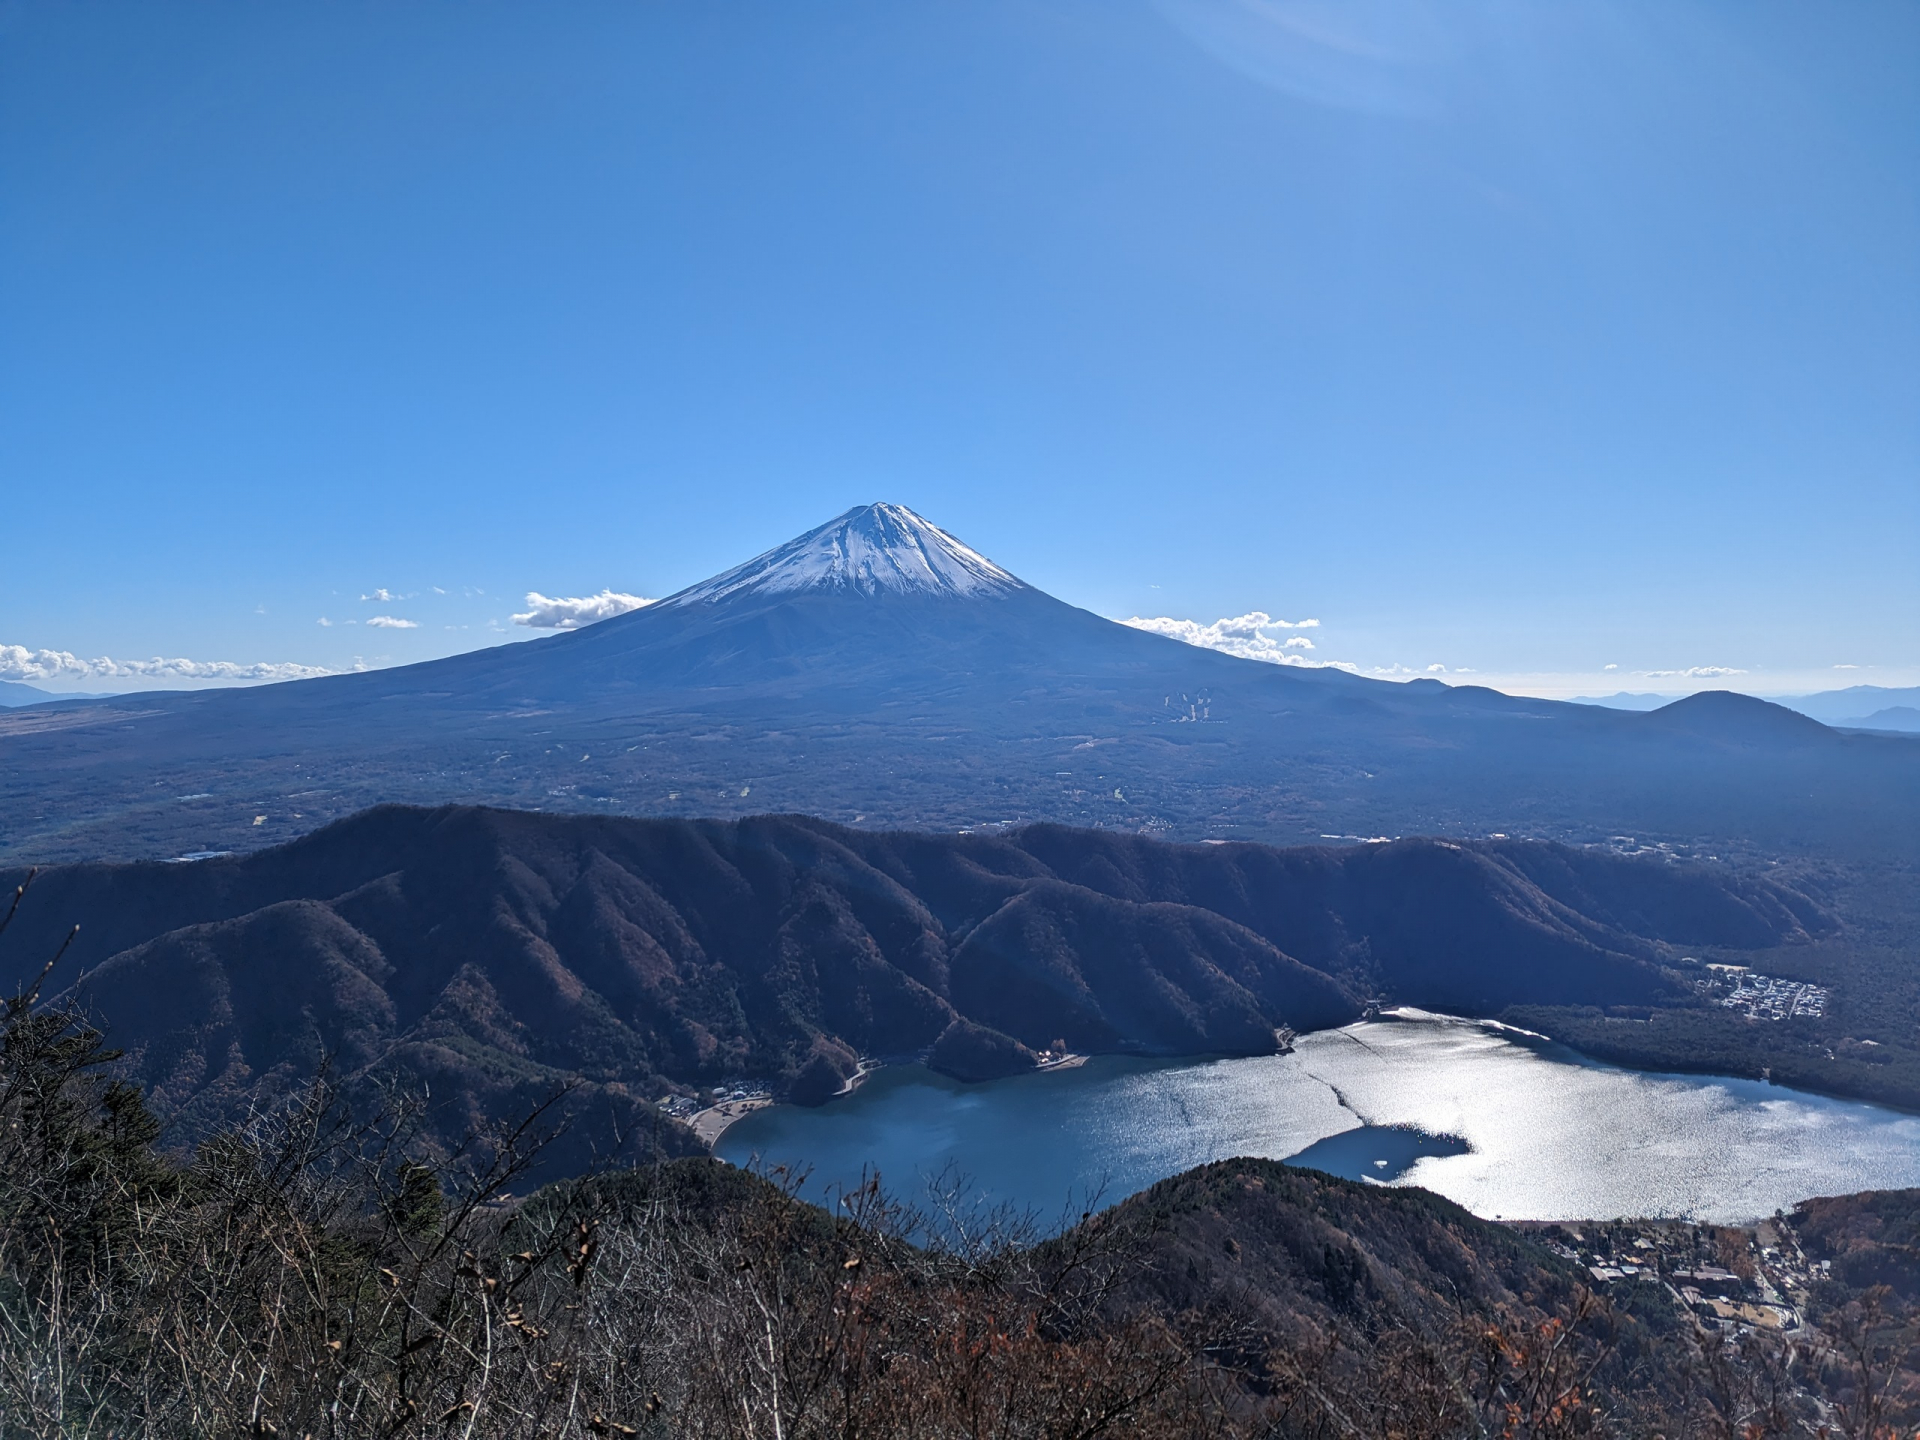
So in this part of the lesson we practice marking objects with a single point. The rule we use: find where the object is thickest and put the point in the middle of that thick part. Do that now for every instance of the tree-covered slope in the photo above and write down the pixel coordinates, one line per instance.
(496, 954)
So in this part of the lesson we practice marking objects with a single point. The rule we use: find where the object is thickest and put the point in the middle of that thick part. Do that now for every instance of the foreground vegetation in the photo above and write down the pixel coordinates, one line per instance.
(316, 1272)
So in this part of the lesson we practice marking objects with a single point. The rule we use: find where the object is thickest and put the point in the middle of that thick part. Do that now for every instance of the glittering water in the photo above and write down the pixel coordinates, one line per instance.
(1517, 1128)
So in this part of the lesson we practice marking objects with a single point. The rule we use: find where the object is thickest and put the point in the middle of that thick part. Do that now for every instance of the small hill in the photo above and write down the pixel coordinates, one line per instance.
(1736, 719)
(1306, 1252)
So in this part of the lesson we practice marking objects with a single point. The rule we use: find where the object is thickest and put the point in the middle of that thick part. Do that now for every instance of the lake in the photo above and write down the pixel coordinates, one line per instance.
(1509, 1125)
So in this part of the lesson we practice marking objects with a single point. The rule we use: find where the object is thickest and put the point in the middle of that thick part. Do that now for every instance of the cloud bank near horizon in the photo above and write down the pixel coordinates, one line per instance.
(20, 664)
(1243, 635)
(550, 612)
(1260, 636)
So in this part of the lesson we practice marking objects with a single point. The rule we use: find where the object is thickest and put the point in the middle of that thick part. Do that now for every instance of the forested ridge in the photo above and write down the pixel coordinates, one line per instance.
(492, 956)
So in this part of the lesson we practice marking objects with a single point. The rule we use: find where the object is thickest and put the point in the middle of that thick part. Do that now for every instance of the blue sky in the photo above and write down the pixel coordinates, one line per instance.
(1523, 339)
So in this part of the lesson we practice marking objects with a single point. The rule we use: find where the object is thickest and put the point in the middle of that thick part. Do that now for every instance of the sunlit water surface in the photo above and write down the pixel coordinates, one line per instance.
(1509, 1126)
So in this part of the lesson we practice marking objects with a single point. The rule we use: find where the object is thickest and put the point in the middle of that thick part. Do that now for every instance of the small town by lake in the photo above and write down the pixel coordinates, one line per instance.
(1509, 1125)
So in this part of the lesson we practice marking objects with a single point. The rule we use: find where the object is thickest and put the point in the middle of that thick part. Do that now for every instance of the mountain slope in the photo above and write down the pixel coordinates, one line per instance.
(13, 693)
(1904, 718)
(1734, 719)
(870, 549)
(877, 671)
(496, 954)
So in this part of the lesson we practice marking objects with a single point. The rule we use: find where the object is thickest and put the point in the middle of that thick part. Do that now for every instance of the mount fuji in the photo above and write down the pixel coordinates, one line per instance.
(877, 671)
(870, 550)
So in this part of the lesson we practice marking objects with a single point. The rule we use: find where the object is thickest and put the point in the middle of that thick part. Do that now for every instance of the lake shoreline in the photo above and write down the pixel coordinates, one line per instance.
(1669, 1066)
(709, 1125)
(1504, 1120)
(714, 1121)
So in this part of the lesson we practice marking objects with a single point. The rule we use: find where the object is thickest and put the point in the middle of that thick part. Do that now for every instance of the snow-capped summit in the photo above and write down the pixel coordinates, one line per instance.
(869, 550)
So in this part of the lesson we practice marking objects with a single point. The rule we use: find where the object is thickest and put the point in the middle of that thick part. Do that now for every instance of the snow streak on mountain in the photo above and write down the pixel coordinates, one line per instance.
(869, 550)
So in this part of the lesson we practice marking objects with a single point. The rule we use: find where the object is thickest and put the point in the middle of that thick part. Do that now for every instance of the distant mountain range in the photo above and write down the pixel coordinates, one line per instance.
(1626, 700)
(13, 694)
(1858, 706)
(1894, 717)
(1854, 704)
(876, 671)
(1903, 718)
(493, 956)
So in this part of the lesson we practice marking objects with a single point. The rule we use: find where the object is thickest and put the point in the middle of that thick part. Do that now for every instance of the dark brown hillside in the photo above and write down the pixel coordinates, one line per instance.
(1060, 961)
(222, 1010)
(1301, 1255)
(502, 953)
(1350, 1309)
(1868, 1239)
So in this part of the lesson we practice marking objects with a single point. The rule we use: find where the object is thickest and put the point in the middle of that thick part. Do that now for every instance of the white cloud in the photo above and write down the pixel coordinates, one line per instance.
(1846, 667)
(1609, 667)
(1377, 58)
(1694, 672)
(393, 622)
(1242, 635)
(385, 596)
(548, 612)
(19, 663)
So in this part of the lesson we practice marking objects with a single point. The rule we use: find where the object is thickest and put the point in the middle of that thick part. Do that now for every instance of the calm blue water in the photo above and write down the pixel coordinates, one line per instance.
(1510, 1127)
